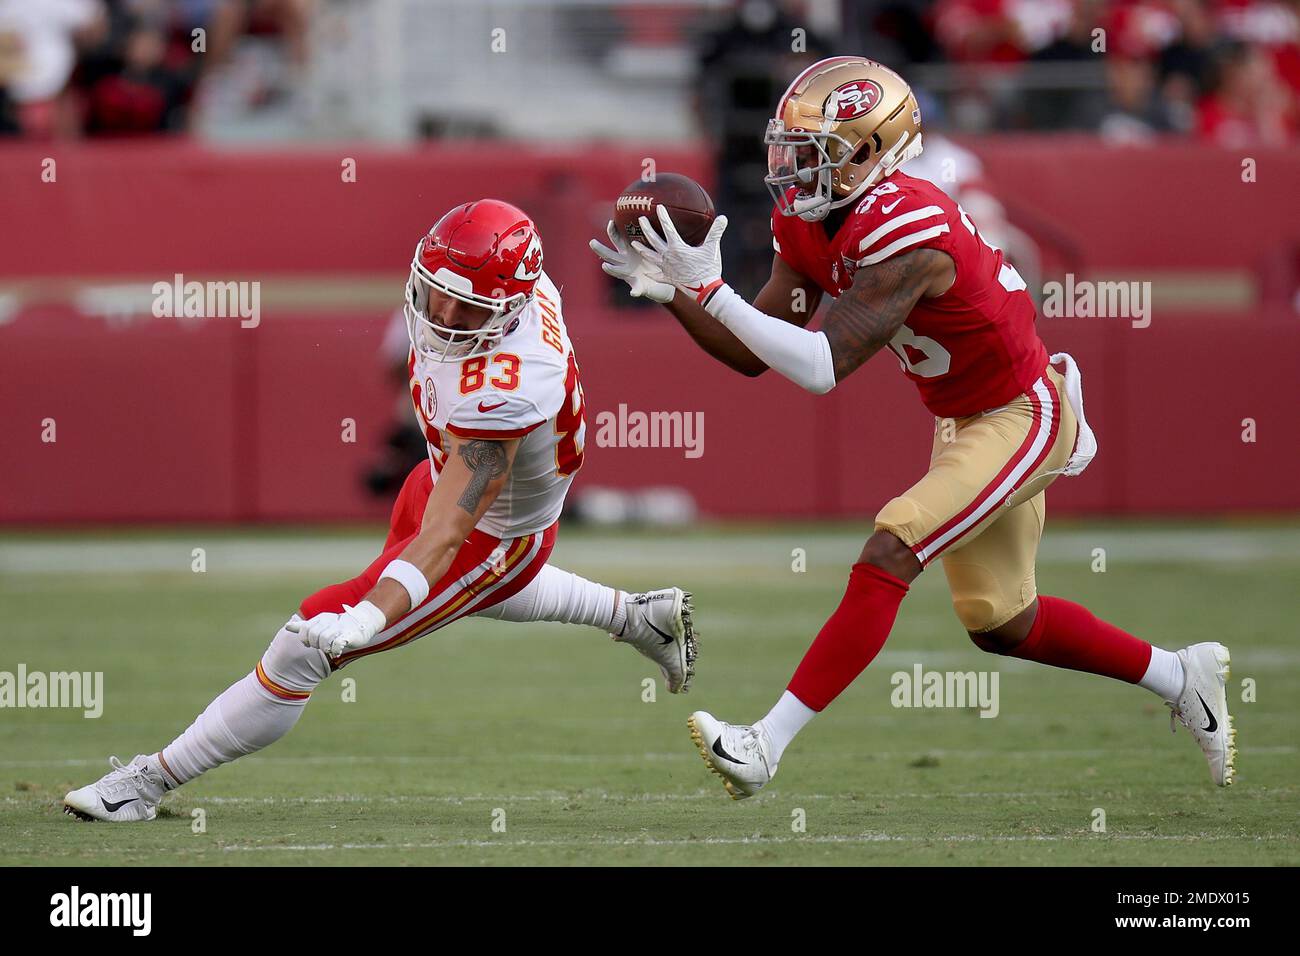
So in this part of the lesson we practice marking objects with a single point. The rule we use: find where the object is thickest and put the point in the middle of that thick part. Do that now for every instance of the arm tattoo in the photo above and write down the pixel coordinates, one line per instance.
(486, 461)
(868, 314)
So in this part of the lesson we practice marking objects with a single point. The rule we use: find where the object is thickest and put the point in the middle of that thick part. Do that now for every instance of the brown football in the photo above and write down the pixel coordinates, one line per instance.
(687, 203)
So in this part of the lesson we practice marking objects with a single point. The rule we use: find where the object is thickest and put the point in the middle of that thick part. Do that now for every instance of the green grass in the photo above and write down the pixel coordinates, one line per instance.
(547, 723)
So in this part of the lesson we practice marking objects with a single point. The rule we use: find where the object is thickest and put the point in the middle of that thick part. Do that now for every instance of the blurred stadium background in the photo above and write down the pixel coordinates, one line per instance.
(306, 145)
(1105, 140)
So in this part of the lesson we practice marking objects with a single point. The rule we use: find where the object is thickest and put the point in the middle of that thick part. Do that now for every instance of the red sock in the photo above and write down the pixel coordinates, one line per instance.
(1068, 635)
(848, 641)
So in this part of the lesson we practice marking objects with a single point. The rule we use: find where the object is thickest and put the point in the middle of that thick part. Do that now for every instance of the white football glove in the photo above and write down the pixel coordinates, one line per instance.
(336, 634)
(696, 270)
(622, 263)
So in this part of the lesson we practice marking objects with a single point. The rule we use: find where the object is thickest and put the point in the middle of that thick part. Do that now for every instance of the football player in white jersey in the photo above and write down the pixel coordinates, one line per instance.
(497, 393)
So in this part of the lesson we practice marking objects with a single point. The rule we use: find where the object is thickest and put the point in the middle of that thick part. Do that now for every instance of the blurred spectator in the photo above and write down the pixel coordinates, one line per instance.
(1249, 103)
(131, 86)
(1185, 64)
(1133, 111)
(746, 61)
(1271, 25)
(131, 67)
(42, 37)
(285, 18)
(1072, 40)
(978, 31)
(1228, 69)
(1066, 106)
(901, 23)
(11, 59)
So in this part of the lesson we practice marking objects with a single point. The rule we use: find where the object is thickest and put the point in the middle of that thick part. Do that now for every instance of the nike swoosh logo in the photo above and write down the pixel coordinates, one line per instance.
(891, 207)
(114, 807)
(1213, 725)
(490, 408)
(667, 638)
(717, 749)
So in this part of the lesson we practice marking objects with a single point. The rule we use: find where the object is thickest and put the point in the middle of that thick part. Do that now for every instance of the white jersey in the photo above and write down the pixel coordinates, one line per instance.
(527, 388)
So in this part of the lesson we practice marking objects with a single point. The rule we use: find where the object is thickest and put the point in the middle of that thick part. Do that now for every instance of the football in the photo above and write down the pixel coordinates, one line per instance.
(687, 203)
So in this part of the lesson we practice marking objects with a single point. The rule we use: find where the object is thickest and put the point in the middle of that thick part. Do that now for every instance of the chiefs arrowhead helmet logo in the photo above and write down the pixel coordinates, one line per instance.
(855, 99)
(430, 400)
(530, 264)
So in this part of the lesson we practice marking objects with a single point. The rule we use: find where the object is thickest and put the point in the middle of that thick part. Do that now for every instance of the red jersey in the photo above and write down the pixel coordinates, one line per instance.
(972, 348)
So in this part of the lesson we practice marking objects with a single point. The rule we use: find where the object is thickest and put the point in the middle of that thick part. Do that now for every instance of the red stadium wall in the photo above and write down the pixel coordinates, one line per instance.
(160, 421)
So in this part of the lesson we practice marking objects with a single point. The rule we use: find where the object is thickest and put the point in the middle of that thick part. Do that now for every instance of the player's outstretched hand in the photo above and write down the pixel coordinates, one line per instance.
(335, 634)
(622, 262)
(696, 270)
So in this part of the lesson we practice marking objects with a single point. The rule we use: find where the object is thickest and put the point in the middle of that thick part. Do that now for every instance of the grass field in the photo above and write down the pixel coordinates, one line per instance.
(544, 726)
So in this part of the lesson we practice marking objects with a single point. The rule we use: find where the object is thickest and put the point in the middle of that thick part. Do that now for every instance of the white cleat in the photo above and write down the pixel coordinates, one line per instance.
(659, 626)
(1203, 707)
(126, 794)
(736, 753)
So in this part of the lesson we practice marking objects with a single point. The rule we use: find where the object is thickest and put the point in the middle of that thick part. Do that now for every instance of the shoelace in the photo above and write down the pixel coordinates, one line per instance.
(750, 744)
(1176, 717)
(757, 750)
(131, 776)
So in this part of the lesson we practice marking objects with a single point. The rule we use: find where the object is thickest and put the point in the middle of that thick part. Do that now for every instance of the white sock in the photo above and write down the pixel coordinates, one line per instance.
(561, 596)
(1164, 674)
(246, 716)
(783, 721)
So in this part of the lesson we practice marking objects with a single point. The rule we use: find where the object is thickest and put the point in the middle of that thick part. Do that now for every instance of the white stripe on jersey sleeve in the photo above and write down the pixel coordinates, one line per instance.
(903, 243)
(897, 222)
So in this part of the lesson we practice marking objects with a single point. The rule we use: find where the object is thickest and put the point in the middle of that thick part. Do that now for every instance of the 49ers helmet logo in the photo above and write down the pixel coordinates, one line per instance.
(855, 99)
(530, 264)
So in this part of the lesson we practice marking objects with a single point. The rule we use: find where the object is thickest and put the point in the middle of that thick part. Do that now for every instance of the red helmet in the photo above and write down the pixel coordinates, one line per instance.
(486, 253)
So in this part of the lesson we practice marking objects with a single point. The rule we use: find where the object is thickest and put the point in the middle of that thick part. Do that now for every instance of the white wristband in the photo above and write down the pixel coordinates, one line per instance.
(802, 356)
(410, 577)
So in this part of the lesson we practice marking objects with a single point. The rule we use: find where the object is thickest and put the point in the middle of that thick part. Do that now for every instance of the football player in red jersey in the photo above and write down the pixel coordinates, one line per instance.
(909, 271)
(496, 391)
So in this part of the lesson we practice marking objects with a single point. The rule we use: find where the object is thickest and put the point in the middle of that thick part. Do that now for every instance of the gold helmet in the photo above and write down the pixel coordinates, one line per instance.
(844, 123)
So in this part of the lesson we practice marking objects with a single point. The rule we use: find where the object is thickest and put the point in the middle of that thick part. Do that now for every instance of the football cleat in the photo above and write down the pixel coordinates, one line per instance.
(126, 794)
(659, 625)
(736, 753)
(1203, 707)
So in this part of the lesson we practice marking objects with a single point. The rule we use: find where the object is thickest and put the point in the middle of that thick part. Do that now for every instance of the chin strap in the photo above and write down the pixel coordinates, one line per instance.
(910, 149)
(907, 148)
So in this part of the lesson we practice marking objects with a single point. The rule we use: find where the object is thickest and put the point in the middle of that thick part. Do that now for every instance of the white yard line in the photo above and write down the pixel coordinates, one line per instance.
(757, 841)
(655, 842)
(727, 552)
(965, 753)
(712, 795)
